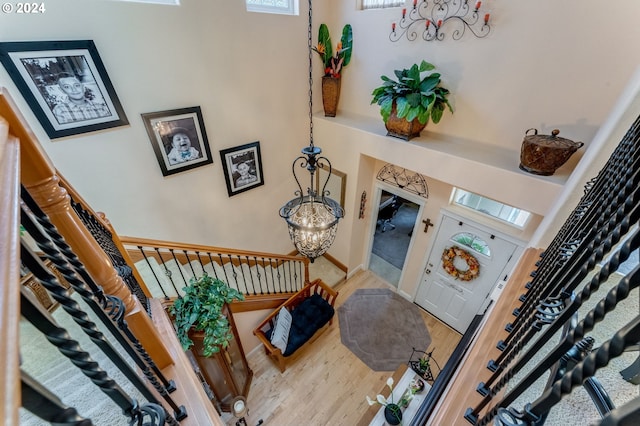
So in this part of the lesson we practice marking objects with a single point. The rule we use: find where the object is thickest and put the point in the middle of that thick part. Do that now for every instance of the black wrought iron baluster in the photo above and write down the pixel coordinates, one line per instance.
(44, 404)
(71, 349)
(234, 273)
(224, 269)
(186, 254)
(562, 277)
(213, 266)
(61, 295)
(178, 266)
(167, 272)
(104, 238)
(146, 258)
(279, 263)
(257, 271)
(575, 277)
(70, 267)
(273, 278)
(244, 277)
(116, 310)
(607, 304)
(532, 414)
(594, 284)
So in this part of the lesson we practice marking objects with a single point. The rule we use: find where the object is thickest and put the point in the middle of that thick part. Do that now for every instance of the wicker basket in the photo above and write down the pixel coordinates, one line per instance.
(543, 154)
(401, 127)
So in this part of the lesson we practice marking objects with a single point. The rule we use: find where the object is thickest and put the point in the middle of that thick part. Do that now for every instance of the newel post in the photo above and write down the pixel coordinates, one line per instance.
(39, 177)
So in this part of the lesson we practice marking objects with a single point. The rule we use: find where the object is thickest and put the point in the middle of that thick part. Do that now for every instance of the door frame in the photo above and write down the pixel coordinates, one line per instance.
(498, 286)
(378, 187)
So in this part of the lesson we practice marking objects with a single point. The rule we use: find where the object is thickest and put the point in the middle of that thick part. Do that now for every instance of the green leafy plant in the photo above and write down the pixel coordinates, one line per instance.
(333, 64)
(200, 308)
(416, 93)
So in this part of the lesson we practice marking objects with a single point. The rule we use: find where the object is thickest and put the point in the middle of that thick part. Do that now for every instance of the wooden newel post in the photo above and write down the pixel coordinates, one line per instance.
(39, 176)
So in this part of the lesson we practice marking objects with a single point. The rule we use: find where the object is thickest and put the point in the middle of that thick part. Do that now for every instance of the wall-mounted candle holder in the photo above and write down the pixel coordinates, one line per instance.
(431, 19)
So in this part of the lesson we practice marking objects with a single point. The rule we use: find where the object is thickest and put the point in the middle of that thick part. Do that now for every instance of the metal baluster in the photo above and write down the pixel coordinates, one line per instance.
(44, 404)
(166, 297)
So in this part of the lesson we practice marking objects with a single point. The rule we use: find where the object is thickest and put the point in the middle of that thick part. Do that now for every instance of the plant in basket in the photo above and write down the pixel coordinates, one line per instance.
(414, 98)
(200, 309)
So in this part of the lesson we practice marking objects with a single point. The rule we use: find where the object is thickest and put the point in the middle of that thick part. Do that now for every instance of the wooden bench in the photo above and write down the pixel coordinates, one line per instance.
(312, 311)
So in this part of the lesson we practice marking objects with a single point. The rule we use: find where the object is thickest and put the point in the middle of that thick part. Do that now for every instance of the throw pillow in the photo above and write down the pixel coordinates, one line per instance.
(280, 335)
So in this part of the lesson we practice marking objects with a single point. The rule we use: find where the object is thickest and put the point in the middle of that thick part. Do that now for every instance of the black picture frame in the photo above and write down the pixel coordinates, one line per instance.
(164, 128)
(242, 167)
(87, 101)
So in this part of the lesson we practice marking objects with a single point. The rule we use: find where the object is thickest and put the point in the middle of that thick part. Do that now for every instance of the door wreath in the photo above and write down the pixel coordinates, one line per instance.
(473, 266)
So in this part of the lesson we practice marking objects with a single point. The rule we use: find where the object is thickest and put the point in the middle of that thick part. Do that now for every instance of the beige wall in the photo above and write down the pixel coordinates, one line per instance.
(546, 64)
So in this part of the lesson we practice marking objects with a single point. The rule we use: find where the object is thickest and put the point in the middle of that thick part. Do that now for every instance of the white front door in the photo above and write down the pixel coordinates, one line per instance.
(456, 300)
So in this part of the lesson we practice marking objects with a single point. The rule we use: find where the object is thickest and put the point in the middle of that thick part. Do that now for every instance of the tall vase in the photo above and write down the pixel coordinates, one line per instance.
(330, 95)
(392, 414)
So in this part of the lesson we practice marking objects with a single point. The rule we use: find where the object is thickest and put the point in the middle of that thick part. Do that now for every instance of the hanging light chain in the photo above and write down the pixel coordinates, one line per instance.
(309, 38)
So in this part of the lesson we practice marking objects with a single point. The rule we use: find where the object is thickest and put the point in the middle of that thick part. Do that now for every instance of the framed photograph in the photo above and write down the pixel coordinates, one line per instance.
(242, 167)
(178, 138)
(65, 84)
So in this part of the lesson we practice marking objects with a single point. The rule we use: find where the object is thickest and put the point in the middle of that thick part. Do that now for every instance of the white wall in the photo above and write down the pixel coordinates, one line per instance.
(246, 71)
(546, 64)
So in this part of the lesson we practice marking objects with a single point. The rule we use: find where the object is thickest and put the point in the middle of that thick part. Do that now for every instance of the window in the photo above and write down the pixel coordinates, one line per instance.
(283, 7)
(473, 242)
(491, 208)
(380, 4)
(173, 2)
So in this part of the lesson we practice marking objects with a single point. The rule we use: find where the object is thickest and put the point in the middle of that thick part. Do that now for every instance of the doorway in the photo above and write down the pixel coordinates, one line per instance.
(455, 294)
(393, 232)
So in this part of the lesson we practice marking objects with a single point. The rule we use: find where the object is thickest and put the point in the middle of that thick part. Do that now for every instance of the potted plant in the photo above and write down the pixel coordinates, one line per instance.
(407, 104)
(200, 309)
(333, 65)
(393, 410)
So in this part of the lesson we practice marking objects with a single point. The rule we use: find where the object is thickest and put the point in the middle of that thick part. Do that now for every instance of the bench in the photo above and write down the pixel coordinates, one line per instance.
(312, 311)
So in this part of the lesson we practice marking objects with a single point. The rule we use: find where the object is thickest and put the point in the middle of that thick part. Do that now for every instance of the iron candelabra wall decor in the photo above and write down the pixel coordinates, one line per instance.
(430, 19)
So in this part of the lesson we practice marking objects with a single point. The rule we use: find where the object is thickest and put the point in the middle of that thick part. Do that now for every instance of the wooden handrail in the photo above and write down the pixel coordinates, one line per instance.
(9, 274)
(42, 181)
(198, 247)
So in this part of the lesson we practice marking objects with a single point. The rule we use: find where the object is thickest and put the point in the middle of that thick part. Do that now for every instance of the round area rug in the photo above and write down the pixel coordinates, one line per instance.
(381, 328)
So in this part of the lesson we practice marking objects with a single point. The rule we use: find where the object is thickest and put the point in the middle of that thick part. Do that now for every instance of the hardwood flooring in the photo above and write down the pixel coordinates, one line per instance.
(326, 384)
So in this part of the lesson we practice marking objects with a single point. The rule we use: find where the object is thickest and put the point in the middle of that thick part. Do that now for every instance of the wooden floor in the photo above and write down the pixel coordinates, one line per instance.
(326, 384)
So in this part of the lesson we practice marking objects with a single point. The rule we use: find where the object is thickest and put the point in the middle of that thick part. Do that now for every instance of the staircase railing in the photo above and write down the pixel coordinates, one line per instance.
(167, 267)
(9, 275)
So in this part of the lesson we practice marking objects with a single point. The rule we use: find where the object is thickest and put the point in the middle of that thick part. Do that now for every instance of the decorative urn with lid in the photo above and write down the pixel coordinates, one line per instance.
(544, 154)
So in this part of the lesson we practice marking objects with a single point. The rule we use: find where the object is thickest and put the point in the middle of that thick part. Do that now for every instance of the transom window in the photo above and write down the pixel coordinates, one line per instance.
(495, 209)
(474, 242)
(283, 7)
(380, 4)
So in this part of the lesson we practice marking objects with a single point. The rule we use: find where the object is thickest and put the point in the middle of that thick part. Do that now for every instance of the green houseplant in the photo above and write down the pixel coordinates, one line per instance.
(200, 309)
(411, 100)
(333, 65)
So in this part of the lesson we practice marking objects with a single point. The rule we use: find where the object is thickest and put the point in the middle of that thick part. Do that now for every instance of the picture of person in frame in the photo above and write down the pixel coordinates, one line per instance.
(247, 175)
(77, 105)
(180, 147)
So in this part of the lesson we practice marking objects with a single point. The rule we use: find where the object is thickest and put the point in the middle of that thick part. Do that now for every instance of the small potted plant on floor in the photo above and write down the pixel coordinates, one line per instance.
(407, 104)
(200, 310)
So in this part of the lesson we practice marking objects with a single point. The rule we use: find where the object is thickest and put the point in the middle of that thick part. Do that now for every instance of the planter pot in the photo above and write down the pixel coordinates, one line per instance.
(401, 128)
(330, 95)
(392, 414)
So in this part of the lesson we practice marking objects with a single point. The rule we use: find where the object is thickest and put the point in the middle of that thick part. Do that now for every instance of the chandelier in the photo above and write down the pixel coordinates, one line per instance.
(312, 219)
